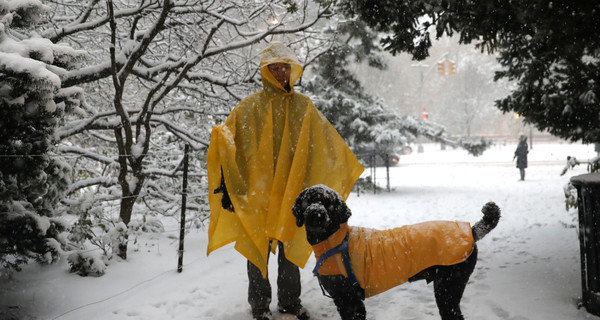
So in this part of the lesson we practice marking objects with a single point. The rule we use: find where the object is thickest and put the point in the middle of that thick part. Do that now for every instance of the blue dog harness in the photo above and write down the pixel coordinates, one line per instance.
(342, 248)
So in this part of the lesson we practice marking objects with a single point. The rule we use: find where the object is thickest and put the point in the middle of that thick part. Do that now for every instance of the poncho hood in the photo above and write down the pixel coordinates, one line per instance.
(273, 145)
(277, 52)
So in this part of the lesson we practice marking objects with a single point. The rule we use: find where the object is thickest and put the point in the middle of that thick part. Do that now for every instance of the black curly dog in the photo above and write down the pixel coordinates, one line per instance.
(322, 210)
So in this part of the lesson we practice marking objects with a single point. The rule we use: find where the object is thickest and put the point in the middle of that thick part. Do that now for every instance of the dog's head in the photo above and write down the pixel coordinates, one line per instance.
(322, 210)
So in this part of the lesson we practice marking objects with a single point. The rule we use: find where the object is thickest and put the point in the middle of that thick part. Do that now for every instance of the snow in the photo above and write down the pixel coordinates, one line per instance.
(528, 266)
(586, 179)
(17, 64)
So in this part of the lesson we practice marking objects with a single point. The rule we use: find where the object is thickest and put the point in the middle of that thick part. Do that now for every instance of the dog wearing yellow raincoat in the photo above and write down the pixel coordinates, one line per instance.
(354, 263)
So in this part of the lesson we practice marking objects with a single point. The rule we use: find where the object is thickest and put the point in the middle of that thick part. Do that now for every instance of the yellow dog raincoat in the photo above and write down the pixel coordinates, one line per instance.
(383, 259)
(272, 146)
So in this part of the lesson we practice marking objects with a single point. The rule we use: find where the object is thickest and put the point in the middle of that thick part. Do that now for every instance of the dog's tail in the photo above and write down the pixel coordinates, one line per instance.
(491, 216)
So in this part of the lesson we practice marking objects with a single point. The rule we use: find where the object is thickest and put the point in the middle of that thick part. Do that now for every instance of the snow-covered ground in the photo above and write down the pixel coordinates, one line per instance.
(528, 266)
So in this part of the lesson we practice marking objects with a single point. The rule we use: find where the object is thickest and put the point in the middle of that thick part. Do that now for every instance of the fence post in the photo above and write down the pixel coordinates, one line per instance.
(387, 171)
(374, 172)
(183, 205)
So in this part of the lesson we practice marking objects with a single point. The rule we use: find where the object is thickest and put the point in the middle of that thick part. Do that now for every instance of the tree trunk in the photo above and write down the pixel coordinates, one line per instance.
(125, 215)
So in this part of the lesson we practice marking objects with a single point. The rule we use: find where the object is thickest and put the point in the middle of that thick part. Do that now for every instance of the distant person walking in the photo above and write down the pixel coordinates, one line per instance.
(521, 155)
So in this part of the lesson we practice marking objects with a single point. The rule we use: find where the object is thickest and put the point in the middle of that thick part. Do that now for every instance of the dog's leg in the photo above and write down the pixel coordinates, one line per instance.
(349, 303)
(449, 285)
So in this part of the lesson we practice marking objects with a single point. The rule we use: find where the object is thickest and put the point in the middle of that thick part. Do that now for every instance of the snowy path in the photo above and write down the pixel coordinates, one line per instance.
(528, 266)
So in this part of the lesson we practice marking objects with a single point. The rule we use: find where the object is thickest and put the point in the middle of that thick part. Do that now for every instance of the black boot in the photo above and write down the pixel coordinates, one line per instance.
(300, 312)
(262, 315)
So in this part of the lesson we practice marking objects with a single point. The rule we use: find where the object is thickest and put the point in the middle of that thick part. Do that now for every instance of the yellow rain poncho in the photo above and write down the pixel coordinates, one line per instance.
(272, 146)
(383, 259)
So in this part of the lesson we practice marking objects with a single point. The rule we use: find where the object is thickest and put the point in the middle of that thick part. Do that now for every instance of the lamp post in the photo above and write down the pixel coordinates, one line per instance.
(445, 67)
(421, 66)
(530, 137)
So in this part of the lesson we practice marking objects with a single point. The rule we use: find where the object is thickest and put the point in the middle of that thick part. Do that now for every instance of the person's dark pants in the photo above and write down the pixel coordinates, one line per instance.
(288, 285)
(522, 171)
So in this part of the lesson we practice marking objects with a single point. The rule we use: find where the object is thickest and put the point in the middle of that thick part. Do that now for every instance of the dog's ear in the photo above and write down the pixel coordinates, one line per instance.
(298, 209)
(343, 212)
(340, 211)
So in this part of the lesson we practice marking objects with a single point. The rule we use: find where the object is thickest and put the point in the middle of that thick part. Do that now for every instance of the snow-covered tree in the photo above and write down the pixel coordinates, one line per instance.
(549, 48)
(366, 123)
(465, 99)
(32, 178)
(158, 75)
(339, 94)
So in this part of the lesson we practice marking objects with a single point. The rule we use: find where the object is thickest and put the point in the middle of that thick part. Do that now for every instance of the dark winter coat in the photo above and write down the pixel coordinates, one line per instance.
(521, 154)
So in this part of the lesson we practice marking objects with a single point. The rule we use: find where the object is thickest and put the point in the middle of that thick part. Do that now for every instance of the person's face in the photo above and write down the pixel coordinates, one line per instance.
(281, 72)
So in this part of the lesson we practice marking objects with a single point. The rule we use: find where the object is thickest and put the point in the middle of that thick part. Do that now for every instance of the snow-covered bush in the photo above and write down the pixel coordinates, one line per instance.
(96, 228)
(26, 235)
(570, 191)
(87, 263)
(149, 225)
(570, 196)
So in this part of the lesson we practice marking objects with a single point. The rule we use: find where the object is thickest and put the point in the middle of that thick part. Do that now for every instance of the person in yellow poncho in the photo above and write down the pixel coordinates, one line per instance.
(273, 145)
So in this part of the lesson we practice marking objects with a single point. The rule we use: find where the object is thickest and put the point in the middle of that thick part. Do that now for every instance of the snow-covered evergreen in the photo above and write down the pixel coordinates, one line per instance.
(32, 178)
